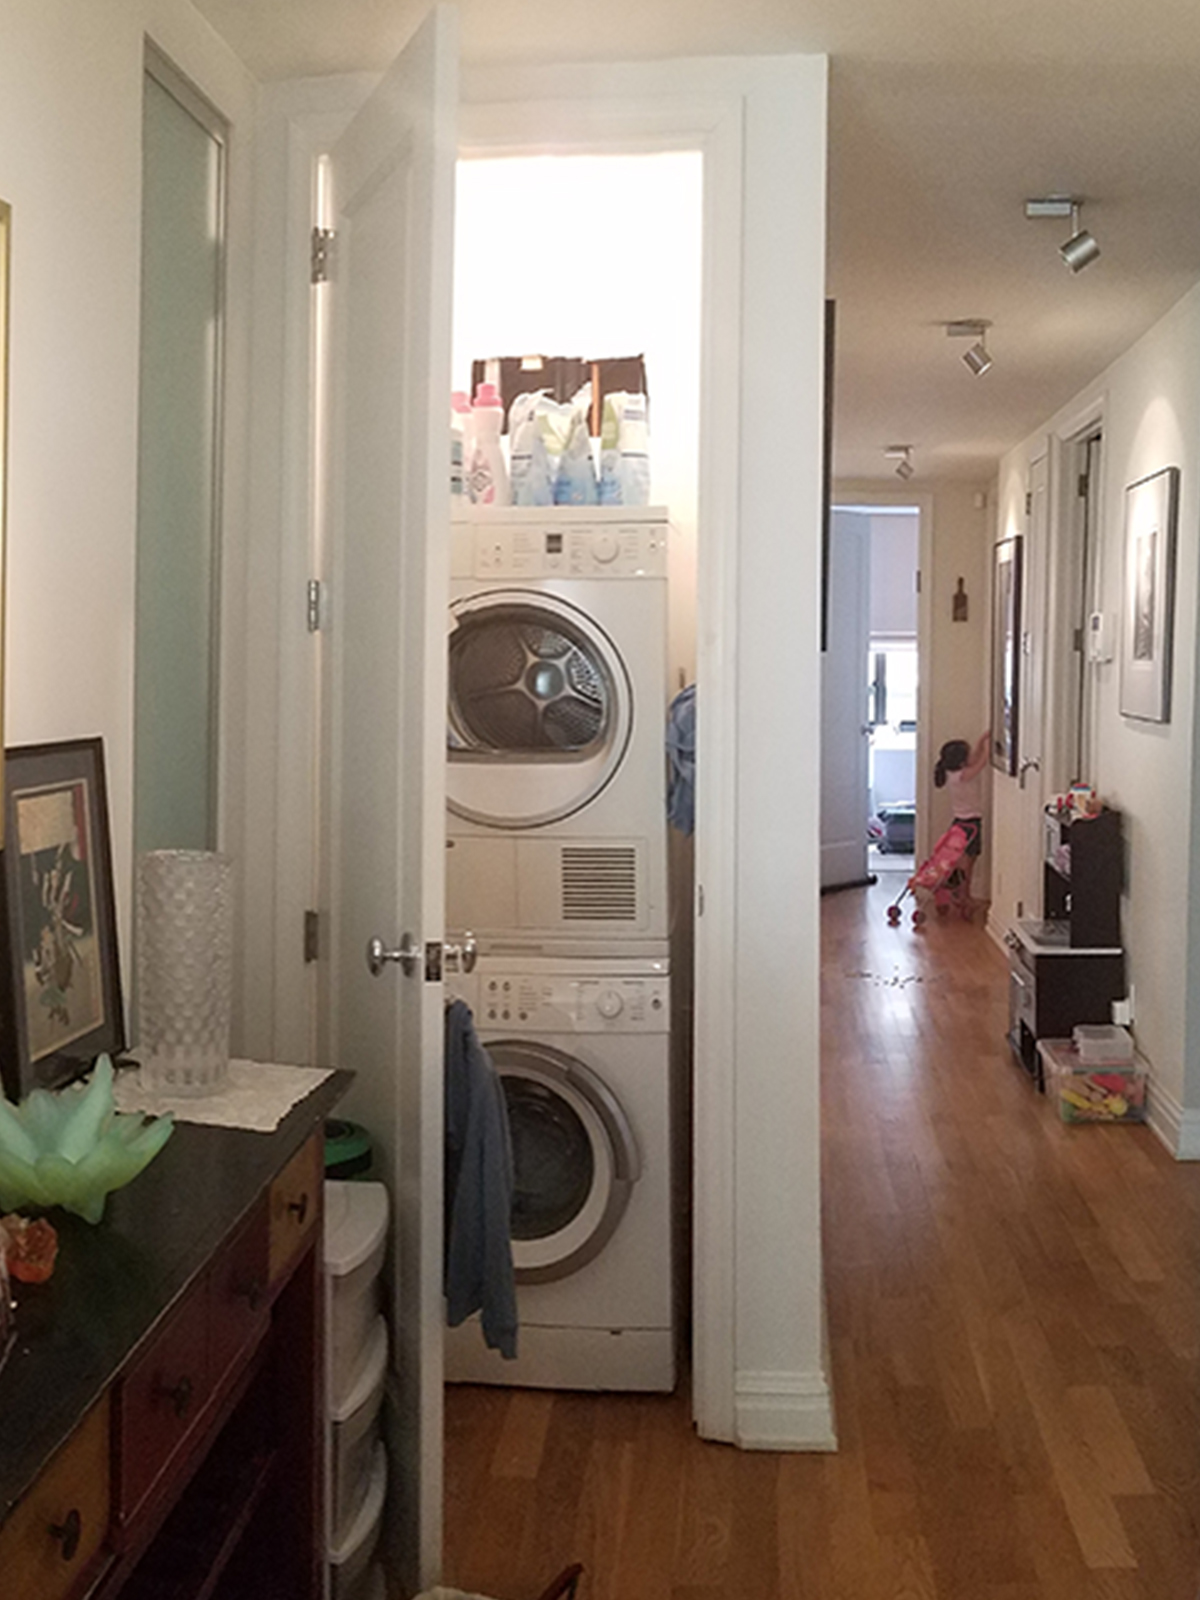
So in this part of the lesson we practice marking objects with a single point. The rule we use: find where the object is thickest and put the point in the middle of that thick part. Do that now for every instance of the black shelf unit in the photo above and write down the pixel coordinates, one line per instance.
(1082, 877)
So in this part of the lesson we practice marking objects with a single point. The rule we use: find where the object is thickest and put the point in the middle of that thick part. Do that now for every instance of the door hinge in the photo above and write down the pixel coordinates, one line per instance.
(313, 605)
(320, 253)
(312, 936)
(1078, 645)
(1081, 488)
(917, 579)
(1029, 502)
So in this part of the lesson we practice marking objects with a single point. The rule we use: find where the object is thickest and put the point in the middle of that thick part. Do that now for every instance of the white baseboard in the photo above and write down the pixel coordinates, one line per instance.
(1177, 1127)
(784, 1411)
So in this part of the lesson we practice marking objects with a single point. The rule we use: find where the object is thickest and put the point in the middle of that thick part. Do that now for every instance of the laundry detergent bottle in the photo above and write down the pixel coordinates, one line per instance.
(487, 474)
(460, 428)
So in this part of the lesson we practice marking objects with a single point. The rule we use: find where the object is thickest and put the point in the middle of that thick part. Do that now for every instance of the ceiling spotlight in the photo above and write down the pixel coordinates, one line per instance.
(901, 454)
(977, 357)
(1080, 249)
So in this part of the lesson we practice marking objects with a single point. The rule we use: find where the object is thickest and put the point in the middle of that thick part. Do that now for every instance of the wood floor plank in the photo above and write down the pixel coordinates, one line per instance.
(1014, 1322)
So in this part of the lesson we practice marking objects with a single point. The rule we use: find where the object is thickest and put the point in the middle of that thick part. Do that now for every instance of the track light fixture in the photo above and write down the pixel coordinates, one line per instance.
(1081, 249)
(977, 357)
(901, 454)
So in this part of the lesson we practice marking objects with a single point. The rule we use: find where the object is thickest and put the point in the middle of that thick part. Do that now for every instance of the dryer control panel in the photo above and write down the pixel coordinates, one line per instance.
(537, 549)
(563, 1003)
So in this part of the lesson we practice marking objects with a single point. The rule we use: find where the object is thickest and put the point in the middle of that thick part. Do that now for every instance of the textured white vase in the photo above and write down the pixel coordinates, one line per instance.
(185, 969)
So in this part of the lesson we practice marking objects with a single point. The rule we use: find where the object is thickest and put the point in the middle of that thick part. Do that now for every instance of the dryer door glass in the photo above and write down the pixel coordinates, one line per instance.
(552, 1159)
(575, 1159)
(539, 710)
(523, 683)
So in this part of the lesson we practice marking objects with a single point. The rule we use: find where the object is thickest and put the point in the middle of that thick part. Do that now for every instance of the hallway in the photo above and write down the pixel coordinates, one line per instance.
(1014, 1310)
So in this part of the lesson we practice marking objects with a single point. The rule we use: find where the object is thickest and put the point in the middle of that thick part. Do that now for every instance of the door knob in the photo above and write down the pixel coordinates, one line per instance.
(461, 957)
(378, 955)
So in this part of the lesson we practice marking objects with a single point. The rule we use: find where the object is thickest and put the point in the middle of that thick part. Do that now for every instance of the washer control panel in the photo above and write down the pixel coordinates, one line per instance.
(569, 1004)
(544, 550)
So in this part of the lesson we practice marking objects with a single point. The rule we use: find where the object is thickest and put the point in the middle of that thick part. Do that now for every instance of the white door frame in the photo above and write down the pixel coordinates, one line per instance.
(759, 1365)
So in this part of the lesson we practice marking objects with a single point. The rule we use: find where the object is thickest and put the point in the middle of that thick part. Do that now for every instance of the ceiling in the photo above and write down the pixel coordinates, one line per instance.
(945, 115)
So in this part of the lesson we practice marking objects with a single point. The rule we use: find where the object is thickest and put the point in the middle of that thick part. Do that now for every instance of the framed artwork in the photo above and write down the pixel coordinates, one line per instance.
(5, 228)
(60, 984)
(1006, 654)
(1148, 605)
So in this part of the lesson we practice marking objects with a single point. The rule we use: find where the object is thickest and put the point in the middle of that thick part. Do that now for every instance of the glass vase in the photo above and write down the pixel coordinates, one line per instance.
(184, 969)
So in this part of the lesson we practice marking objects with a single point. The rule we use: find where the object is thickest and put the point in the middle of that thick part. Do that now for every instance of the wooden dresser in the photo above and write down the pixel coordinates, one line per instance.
(161, 1411)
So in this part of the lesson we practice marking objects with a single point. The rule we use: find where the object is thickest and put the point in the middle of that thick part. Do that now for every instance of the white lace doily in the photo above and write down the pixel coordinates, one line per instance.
(256, 1095)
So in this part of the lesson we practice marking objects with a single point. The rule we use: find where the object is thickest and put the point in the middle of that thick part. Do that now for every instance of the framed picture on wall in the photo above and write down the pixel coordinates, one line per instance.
(1006, 654)
(60, 986)
(1148, 604)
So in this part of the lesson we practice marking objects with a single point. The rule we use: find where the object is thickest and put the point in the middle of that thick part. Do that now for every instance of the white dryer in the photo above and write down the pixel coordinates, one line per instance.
(557, 682)
(582, 1053)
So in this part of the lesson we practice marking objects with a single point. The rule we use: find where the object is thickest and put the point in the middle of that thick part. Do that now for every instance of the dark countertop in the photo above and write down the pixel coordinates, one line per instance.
(114, 1282)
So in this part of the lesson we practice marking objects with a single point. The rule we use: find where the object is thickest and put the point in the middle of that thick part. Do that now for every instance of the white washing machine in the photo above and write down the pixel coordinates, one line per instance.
(555, 782)
(582, 1053)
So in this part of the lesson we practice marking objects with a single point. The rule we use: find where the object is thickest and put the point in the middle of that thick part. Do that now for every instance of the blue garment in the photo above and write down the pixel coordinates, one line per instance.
(681, 756)
(478, 1188)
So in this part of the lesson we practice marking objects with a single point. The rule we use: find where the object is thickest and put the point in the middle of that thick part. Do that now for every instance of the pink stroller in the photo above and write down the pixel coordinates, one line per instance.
(940, 878)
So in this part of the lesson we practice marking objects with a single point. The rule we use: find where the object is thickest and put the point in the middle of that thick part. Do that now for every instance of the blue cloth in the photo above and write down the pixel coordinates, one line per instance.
(479, 1188)
(681, 759)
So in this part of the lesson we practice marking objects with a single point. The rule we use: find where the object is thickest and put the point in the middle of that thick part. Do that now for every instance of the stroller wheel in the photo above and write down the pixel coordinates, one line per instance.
(894, 916)
(918, 917)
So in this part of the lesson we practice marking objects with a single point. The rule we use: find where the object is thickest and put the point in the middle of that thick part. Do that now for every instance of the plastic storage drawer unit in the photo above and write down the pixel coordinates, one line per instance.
(356, 1224)
(355, 1429)
(350, 1559)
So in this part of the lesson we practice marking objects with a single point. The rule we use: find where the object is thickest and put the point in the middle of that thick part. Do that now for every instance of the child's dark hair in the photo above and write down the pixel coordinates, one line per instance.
(955, 754)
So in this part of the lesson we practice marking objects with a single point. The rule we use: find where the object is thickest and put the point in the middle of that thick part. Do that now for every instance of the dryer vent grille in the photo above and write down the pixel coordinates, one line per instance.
(599, 883)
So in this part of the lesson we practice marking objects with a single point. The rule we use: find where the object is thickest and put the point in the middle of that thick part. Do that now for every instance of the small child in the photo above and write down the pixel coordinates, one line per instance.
(960, 766)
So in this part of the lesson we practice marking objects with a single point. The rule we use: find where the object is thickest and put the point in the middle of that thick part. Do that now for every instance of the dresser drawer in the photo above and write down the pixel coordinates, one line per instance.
(295, 1206)
(238, 1309)
(48, 1543)
(161, 1398)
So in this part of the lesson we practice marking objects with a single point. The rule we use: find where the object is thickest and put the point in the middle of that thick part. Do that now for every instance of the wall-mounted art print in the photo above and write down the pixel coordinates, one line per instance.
(1006, 654)
(60, 986)
(1151, 515)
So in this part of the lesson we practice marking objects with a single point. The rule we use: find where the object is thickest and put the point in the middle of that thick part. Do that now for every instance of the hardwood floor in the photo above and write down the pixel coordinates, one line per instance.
(1014, 1309)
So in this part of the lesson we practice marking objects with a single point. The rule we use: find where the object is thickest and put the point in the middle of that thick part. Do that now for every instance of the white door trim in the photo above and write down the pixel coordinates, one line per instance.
(761, 124)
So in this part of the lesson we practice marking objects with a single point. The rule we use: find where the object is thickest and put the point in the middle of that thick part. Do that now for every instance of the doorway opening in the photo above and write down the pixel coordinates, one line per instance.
(594, 258)
(870, 693)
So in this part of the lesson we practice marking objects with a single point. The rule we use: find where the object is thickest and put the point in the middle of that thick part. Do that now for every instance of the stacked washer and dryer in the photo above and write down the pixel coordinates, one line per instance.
(556, 863)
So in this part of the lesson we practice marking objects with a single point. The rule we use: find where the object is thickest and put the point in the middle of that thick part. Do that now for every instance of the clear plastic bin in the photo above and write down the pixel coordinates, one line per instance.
(1103, 1041)
(1092, 1091)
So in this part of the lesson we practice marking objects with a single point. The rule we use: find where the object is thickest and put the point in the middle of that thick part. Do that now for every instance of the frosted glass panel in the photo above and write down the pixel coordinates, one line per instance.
(176, 691)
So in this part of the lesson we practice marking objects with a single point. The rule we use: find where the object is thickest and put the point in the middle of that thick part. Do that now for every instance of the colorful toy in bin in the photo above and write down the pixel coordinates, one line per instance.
(1113, 1091)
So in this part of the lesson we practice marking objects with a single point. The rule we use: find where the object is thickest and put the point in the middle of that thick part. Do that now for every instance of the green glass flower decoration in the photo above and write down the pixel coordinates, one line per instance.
(70, 1148)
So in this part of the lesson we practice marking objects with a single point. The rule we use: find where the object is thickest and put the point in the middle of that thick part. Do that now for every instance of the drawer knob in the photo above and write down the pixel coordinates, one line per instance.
(179, 1394)
(68, 1533)
(250, 1290)
(299, 1208)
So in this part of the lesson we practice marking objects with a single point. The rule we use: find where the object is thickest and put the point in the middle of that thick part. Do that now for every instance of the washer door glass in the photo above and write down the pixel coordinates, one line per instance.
(539, 710)
(575, 1159)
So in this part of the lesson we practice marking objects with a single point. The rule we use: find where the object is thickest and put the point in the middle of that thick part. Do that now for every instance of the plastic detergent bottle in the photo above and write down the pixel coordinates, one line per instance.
(487, 475)
(460, 425)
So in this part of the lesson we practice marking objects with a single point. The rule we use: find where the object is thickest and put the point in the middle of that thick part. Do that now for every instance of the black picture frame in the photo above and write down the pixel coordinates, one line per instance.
(60, 978)
(1148, 605)
(1006, 655)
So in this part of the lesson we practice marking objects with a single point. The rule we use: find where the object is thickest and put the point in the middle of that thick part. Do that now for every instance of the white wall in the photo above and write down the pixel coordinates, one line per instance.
(597, 256)
(1150, 403)
(70, 165)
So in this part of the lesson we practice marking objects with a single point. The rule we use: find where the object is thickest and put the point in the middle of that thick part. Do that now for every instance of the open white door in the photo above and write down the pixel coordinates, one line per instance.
(392, 182)
(844, 729)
